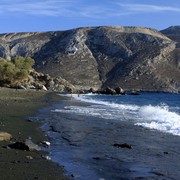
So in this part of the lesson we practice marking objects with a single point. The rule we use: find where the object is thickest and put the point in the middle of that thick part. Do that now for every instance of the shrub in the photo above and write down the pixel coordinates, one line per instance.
(23, 63)
(15, 70)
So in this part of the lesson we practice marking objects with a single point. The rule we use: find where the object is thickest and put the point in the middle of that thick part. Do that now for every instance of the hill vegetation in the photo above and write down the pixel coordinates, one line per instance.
(16, 70)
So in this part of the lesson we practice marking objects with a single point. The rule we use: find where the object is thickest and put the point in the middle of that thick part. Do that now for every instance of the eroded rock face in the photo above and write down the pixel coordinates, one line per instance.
(40, 81)
(172, 72)
(99, 57)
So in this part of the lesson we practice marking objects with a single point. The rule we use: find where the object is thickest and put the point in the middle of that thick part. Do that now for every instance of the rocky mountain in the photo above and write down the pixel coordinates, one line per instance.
(129, 57)
(173, 33)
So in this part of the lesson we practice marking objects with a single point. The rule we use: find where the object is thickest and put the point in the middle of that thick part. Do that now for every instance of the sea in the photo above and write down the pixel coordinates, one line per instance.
(88, 131)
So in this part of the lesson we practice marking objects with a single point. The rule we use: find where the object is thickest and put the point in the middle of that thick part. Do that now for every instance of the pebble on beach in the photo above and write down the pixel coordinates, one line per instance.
(46, 157)
(46, 143)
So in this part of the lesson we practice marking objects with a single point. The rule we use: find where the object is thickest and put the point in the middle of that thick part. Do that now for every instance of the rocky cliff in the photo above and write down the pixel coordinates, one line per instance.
(129, 57)
(173, 57)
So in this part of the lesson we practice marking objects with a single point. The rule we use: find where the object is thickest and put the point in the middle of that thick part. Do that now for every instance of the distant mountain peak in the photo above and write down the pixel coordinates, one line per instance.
(171, 30)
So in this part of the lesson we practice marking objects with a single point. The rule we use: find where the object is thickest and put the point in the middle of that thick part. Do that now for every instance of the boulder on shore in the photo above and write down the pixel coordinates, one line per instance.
(40, 81)
(111, 91)
(119, 90)
(4, 136)
(28, 145)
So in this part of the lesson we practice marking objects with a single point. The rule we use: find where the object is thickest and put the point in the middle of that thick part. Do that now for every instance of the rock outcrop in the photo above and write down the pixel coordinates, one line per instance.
(40, 81)
(100, 57)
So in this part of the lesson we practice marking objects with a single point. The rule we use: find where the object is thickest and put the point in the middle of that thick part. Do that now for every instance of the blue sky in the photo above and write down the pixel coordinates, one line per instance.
(46, 15)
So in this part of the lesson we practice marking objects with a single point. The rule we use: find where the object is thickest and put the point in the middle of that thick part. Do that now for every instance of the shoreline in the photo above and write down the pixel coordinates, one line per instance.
(15, 107)
(140, 161)
(89, 147)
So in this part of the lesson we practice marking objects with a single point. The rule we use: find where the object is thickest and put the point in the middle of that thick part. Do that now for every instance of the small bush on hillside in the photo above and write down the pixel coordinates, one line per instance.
(23, 63)
(15, 70)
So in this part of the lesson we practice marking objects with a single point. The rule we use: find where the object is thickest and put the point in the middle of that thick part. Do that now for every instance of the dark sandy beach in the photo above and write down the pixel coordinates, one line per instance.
(89, 148)
(15, 107)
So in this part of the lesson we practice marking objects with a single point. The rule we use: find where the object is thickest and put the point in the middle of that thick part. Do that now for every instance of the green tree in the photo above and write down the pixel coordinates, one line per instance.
(7, 71)
(15, 70)
(23, 63)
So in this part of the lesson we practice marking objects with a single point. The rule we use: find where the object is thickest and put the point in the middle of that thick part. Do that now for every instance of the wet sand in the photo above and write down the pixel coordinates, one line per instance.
(15, 107)
(86, 146)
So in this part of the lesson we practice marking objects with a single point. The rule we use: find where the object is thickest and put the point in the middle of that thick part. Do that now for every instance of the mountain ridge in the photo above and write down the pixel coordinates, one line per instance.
(128, 57)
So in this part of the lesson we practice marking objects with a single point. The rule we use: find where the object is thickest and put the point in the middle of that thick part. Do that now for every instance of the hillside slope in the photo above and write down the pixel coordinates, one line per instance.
(173, 33)
(130, 57)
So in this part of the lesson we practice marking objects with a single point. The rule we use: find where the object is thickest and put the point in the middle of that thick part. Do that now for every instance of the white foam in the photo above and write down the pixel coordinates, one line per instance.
(100, 108)
(153, 117)
(90, 111)
(160, 118)
(87, 98)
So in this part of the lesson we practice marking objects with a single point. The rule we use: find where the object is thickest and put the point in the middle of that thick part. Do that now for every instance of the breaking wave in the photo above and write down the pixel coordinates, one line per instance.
(158, 117)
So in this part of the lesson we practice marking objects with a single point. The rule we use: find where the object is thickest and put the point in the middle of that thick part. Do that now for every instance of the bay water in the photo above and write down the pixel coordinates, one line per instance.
(84, 129)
